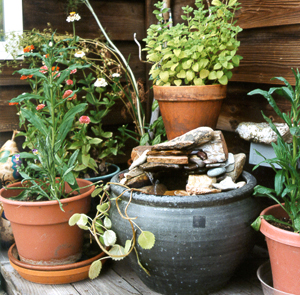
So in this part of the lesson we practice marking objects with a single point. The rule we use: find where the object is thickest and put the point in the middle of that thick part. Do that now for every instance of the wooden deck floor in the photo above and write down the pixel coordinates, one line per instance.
(119, 279)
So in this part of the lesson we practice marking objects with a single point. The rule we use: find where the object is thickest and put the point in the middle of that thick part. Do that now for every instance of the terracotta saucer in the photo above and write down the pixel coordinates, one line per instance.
(58, 274)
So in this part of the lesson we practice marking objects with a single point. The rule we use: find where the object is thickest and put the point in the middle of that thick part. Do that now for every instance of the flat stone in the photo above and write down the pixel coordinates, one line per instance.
(194, 137)
(200, 184)
(216, 172)
(240, 160)
(230, 163)
(140, 160)
(195, 159)
(216, 150)
(176, 193)
(138, 181)
(133, 173)
(157, 189)
(138, 151)
(154, 167)
(168, 159)
(190, 167)
(226, 184)
(168, 153)
(262, 132)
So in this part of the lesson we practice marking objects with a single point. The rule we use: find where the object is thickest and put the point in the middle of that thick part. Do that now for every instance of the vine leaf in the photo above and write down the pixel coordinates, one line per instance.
(146, 240)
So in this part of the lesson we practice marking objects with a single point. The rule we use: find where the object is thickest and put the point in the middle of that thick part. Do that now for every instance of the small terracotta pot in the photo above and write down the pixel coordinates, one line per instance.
(284, 252)
(41, 230)
(184, 108)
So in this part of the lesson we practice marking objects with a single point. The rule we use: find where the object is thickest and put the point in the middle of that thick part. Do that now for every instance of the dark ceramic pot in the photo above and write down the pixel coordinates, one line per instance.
(200, 240)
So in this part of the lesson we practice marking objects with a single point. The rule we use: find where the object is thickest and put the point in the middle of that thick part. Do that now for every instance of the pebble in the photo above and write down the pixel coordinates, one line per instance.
(216, 172)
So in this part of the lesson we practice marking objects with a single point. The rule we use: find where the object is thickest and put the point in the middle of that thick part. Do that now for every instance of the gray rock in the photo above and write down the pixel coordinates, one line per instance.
(194, 137)
(240, 160)
(154, 167)
(216, 172)
(226, 184)
(262, 132)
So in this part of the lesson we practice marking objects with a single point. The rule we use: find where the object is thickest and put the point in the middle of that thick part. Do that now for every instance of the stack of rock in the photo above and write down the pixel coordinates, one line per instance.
(200, 158)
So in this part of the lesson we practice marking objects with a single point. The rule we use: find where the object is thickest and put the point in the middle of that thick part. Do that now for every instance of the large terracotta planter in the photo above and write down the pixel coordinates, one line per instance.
(41, 230)
(284, 252)
(184, 108)
(200, 240)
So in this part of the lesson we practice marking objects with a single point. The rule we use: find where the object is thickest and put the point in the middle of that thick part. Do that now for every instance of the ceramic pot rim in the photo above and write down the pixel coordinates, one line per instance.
(47, 203)
(188, 201)
(275, 233)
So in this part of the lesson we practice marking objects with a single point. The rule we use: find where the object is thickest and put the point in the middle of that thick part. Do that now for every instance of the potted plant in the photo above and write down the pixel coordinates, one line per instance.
(98, 84)
(197, 55)
(49, 192)
(280, 223)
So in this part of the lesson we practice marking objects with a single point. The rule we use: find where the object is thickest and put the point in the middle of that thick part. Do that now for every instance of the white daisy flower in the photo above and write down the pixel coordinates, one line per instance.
(72, 17)
(100, 82)
(80, 54)
(115, 75)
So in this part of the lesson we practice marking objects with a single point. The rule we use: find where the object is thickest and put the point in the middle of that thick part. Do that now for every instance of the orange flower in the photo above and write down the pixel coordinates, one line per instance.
(28, 48)
(13, 103)
(24, 77)
(40, 106)
(55, 68)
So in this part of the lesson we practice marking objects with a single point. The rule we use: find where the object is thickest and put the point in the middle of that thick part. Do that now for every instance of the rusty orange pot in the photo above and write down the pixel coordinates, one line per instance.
(284, 252)
(41, 230)
(184, 108)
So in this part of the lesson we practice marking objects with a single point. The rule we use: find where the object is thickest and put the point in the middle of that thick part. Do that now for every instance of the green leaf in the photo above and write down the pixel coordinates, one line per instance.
(256, 224)
(146, 240)
(181, 74)
(95, 269)
(198, 81)
(232, 2)
(177, 52)
(103, 207)
(190, 75)
(279, 181)
(127, 246)
(107, 222)
(212, 75)
(83, 220)
(216, 3)
(223, 80)
(117, 250)
(109, 238)
(204, 73)
(164, 76)
(74, 219)
(178, 82)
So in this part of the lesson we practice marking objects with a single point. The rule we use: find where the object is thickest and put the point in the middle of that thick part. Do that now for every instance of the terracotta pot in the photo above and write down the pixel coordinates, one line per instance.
(200, 240)
(41, 230)
(284, 252)
(60, 274)
(184, 108)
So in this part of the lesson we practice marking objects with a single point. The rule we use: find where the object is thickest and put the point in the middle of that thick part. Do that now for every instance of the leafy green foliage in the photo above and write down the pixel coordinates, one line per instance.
(287, 179)
(202, 50)
(101, 227)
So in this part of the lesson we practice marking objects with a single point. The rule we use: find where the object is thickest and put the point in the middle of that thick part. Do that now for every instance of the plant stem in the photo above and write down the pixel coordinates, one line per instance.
(140, 125)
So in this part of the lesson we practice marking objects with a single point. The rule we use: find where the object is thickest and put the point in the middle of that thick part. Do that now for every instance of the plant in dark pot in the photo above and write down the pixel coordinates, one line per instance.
(192, 63)
(40, 206)
(280, 223)
(200, 238)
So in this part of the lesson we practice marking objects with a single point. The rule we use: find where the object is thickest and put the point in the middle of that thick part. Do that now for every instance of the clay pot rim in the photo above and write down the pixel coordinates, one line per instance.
(276, 233)
(48, 202)
(12, 251)
(188, 201)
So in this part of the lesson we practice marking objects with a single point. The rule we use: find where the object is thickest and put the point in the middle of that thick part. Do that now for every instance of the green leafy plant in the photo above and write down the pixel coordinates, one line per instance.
(47, 168)
(202, 50)
(286, 190)
(100, 227)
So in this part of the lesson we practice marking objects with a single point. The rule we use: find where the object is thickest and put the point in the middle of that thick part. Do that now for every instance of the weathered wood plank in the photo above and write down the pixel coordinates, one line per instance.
(108, 283)
(267, 13)
(120, 18)
(17, 285)
(267, 53)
